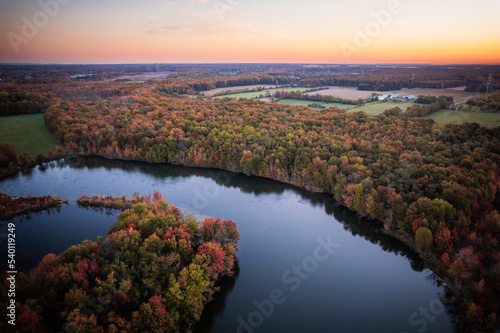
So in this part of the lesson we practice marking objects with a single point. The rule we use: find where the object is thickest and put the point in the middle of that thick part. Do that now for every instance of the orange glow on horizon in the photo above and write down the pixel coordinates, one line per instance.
(190, 31)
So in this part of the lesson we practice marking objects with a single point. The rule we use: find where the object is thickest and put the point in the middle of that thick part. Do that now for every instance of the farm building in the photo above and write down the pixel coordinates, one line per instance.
(388, 96)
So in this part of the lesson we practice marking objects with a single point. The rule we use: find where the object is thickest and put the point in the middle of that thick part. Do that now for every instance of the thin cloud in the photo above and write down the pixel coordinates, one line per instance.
(109, 45)
(12, 25)
(64, 32)
(190, 25)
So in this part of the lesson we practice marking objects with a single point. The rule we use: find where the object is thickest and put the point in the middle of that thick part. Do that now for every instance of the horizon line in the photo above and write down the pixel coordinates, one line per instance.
(246, 63)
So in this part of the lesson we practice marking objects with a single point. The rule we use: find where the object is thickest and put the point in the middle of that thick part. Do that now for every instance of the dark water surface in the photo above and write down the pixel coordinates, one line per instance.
(304, 264)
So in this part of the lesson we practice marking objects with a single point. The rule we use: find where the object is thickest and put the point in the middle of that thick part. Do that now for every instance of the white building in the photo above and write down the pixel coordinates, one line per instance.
(388, 96)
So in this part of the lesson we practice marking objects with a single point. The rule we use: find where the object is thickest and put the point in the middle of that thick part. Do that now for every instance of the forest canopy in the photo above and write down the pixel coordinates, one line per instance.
(154, 272)
(409, 173)
(433, 186)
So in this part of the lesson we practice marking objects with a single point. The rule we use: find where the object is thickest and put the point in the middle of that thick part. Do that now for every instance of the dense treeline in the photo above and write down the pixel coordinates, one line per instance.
(154, 272)
(66, 74)
(362, 83)
(364, 76)
(437, 184)
(383, 79)
(192, 85)
(487, 103)
(386, 79)
(431, 104)
(426, 99)
(229, 91)
(93, 92)
(11, 163)
(480, 85)
(113, 201)
(11, 206)
(23, 103)
(316, 105)
(306, 97)
(39, 97)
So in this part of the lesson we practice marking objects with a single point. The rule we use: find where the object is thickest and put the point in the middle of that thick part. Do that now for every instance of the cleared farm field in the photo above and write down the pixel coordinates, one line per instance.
(293, 102)
(27, 133)
(376, 108)
(235, 89)
(255, 94)
(353, 93)
(490, 120)
(343, 92)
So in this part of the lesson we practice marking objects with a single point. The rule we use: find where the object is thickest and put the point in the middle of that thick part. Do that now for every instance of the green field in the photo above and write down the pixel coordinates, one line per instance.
(489, 120)
(134, 81)
(26, 133)
(255, 94)
(293, 102)
(376, 108)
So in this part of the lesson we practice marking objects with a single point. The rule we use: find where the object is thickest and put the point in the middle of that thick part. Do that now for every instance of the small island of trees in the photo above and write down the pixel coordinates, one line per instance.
(154, 272)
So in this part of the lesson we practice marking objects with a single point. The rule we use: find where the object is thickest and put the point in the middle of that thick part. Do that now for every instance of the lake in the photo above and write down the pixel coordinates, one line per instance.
(304, 264)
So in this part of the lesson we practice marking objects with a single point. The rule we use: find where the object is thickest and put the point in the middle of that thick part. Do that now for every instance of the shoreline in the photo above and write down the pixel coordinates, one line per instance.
(11, 206)
(429, 259)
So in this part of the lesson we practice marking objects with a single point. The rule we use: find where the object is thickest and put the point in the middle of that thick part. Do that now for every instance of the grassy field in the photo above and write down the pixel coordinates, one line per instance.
(373, 108)
(376, 108)
(26, 133)
(293, 102)
(353, 92)
(254, 94)
(489, 120)
(235, 89)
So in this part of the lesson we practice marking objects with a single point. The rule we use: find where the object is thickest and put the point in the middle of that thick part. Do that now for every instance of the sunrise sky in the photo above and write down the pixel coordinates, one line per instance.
(202, 31)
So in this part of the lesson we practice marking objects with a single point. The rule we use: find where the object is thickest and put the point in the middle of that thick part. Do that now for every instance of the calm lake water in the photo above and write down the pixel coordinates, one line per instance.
(304, 264)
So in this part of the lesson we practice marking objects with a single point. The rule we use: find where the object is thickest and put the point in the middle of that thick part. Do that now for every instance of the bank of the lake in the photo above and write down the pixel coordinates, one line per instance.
(365, 281)
(11, 206)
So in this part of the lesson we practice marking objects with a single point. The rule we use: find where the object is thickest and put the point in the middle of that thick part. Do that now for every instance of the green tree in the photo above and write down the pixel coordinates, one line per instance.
(357, 197)
(423, 237)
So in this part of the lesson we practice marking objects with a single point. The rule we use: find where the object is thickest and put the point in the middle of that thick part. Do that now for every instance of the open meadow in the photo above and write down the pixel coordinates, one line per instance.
(376, 108)
(143, 77)
(486, 119)
(373, 108)
(255, 94)
(353, 93)
(236, 89)
(293, 102)
(27, 133)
